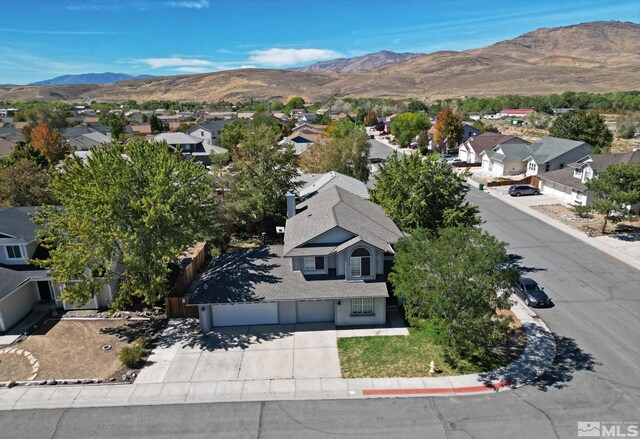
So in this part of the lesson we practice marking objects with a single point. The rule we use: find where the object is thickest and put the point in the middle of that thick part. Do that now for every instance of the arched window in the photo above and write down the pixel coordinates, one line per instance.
(360, 262)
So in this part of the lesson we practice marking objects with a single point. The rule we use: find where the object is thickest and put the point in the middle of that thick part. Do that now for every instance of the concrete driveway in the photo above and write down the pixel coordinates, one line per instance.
(242, 353)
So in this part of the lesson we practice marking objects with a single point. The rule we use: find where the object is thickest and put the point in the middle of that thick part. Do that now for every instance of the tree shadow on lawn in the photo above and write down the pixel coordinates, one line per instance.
(186, 334)
(625, 232)
(569, 358)
(132, 330)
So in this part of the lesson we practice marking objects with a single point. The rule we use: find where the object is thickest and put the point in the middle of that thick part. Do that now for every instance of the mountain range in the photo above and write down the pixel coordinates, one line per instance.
(601, 56)
(90, 78)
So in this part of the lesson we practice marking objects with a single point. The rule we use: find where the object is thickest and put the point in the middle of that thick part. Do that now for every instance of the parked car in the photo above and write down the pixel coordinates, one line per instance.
(532, 293)
(523, 189)
(445, 157)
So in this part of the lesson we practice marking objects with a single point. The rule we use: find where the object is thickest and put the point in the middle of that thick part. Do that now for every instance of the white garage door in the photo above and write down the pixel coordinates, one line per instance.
(551, 189)
(498, 168)
(245, 314)
(315, 311)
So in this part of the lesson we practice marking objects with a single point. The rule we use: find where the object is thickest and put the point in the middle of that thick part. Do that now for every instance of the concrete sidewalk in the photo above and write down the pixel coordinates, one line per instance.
(536, 358)
(625, 251)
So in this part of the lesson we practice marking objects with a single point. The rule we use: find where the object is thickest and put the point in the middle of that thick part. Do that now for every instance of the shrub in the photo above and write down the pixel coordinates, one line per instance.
(131, 356)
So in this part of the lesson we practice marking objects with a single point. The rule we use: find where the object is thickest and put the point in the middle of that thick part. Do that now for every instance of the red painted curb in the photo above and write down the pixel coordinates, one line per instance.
(435, 391)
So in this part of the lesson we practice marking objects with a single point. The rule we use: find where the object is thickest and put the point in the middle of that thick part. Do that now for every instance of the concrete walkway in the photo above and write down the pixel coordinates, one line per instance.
(625, 251)
(536, 358)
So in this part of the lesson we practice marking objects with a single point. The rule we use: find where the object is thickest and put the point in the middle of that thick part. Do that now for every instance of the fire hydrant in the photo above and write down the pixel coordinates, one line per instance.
(432, 367)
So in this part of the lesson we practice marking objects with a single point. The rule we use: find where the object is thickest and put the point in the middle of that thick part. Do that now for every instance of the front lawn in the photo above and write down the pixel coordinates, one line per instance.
(409, 356)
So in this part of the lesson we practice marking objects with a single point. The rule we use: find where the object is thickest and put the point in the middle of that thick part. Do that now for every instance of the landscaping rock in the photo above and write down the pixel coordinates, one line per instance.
(42, 382)
(87, 381)
(112, 379)
(11, 384)
(51, 382)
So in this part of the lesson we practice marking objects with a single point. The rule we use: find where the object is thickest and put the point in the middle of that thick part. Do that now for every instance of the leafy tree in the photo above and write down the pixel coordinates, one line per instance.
(450, 280)
(626, 128)
(416, 106)
(232, 134)
(584, 126)
(348, 155)
(124, 218)
(420, 193)
(49, 142)
(145, 118)
(45, 114)
(539, 120)
(484, 127)
(277, 106)
(116, 124)
(406, 126)
(156, 124)
(371, 119)
(24, 183)
(24, 151)
(295, 102)
(615, 189)
(262, 118)
(423, 142)
(324, 119)
(263, 172)
(448, 126)
(341, 128)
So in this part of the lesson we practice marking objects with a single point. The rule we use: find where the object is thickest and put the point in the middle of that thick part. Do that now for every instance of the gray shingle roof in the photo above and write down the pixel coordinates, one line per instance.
(564, 177)
(15, 221)
(337, 207)
(177, 139)
(549, 148)
(321, 182)
(262, 274)
(10, 279)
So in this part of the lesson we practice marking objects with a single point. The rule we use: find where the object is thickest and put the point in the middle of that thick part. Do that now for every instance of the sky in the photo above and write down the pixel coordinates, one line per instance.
(42, 39)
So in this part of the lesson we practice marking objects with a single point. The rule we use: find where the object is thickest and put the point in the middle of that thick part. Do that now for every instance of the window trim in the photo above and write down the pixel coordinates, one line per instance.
(19, 247)
(363, 307)
(313, 266)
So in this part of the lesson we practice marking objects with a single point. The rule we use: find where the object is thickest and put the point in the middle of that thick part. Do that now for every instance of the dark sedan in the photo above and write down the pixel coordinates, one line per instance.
(532, 293)
(523, 189)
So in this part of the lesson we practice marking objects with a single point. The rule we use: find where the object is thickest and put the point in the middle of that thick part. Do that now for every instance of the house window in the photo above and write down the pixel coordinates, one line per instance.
(546, 167)
(13, 252)
(312, 263)
(360, 263)
(362, 307)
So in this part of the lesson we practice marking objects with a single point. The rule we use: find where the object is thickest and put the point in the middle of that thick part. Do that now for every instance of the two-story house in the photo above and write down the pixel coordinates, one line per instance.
(22, 285)
(470, 150)
(190, 146)
(209, 132)
(332, 268)
(569, 184)
(548, 154)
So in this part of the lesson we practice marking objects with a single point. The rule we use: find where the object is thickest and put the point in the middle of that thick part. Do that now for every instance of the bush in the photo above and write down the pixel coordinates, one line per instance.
(131, 356)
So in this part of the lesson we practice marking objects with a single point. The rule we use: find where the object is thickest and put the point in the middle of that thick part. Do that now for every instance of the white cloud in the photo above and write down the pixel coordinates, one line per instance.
(247, 66)
(275, 57)
(189, 4)
(178, 63)
(192, 69)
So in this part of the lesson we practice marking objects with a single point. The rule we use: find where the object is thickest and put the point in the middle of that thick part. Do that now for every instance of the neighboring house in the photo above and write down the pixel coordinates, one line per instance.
(209, 132)
(22, 285)
(469, 132)
(331, 268)
(546, 155)
(469, 151)
(245, 114)
(190, 146)
(6, 147)
(304, 136)
(569, 183)
(317, 183)
(307, 118)
(87, 141)
(515, 112)
(140, 128)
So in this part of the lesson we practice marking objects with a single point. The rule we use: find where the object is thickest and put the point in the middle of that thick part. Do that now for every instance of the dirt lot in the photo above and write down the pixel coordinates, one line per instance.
(593, 222)
(73, 349)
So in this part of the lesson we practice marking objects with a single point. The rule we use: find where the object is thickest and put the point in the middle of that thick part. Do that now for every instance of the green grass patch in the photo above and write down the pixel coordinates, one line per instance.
(401, 356)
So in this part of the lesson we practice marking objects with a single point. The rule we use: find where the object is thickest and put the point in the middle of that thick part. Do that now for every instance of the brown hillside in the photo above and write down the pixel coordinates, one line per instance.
(591, 57)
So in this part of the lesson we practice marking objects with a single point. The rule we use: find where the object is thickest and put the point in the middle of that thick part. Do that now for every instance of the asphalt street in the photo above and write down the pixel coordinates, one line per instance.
(596, 375)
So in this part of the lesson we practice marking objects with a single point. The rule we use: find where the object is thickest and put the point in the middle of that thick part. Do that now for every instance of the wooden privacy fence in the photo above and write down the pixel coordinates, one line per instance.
(176, 302)
(532, 180)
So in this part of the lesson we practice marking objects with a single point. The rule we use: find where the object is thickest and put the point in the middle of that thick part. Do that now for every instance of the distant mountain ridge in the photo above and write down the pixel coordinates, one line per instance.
(90, 78)
(594, 57)
(370, 61)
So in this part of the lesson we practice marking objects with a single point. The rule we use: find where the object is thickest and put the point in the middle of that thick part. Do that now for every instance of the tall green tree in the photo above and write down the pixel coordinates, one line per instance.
(348, 155)
(295, 102)
(24, 183)
(615, 189)
(155, 124)
(124, 218)
(419, 193)
(450, 280)
(584, 126)
(232, 134)
(116, 123)
(262, 173)
(406, 126)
